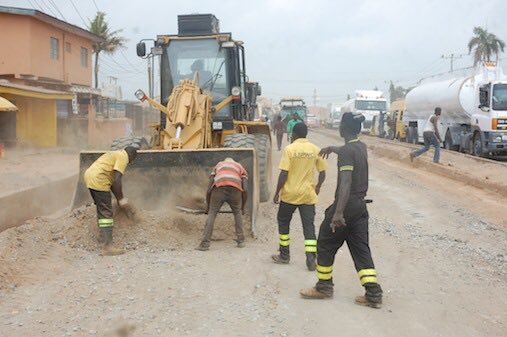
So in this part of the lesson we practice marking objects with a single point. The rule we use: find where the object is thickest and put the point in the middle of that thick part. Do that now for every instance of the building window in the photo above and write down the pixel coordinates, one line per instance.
(84, 57)
(67, 47)
(54, 49)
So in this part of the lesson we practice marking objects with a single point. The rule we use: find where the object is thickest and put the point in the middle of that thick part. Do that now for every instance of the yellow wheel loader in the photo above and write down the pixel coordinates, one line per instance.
(207, 110)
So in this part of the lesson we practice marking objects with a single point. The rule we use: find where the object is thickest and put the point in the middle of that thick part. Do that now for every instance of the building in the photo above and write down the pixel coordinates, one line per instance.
(46, 71)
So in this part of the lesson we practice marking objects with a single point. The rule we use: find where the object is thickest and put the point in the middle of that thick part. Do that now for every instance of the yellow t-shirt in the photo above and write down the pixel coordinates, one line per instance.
(301, 159)
(100, 175)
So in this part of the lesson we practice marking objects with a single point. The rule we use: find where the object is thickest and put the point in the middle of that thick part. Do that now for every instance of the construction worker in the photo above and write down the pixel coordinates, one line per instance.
(347, 218)
(279, 130)
(290, 126)
(297, 190)
(228, 183)
(103, 177)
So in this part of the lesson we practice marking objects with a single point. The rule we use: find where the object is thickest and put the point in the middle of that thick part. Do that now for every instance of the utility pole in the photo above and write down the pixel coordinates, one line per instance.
(452, 57)
(314, 97)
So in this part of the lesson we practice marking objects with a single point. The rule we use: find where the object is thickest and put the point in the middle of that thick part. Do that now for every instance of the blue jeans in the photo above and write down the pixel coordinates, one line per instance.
(430, 139)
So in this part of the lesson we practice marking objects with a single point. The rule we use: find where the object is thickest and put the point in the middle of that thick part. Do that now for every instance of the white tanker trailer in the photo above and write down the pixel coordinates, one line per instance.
(474, 111)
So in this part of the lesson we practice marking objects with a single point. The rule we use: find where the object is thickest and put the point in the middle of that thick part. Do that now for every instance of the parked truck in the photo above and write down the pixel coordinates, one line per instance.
(291, 105)
(474, 111)
(334, 118)
(368, 102)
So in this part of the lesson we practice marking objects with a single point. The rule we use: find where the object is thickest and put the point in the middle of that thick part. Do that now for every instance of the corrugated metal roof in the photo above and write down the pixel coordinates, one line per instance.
(6, 105)
(36, 92)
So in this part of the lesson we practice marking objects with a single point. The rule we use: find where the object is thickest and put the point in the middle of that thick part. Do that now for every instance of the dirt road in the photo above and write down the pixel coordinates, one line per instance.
(439, 247)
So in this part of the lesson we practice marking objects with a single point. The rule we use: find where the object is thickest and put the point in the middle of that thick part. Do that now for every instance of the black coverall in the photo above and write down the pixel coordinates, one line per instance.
(351, 157)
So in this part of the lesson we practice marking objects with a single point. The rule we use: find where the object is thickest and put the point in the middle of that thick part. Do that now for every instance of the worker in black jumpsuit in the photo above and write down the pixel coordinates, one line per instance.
(347, 218)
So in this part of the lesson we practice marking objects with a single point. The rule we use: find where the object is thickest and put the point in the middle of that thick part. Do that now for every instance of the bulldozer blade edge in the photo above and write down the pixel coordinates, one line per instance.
(162, 179)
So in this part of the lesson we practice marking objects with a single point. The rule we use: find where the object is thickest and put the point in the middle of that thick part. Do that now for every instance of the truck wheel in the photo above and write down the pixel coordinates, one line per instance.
(477, 145)
(139, 143)
(448, 142)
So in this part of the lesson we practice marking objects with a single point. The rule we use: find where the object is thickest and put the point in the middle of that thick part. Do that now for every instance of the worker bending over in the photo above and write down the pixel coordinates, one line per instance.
(297, 190)
(228, 183)
(102, 177)
(347, 218)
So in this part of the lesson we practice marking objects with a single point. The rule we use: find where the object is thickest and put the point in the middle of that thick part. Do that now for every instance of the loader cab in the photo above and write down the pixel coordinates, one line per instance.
(218, 61)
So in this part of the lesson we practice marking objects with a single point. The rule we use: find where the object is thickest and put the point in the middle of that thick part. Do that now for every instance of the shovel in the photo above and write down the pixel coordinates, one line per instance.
(196, 211)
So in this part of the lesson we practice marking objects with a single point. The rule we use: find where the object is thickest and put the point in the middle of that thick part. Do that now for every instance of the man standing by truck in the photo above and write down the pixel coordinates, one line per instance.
(297, 190)
(431, 136)
(103, 177)
(347, 218)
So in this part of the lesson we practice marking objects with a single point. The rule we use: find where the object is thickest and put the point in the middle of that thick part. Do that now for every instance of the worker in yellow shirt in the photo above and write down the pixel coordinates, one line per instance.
(296, 189)
(102, 177)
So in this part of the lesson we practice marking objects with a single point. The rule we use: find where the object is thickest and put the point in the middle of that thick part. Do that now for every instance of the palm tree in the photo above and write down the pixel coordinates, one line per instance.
(109, 43)
(484, 44)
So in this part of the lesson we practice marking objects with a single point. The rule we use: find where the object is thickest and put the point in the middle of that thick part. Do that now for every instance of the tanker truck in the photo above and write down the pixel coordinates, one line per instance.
(474, 111)
(370, 103)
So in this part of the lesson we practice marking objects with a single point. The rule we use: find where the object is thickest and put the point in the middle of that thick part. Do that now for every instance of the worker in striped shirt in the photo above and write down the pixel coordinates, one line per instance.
(228, 183)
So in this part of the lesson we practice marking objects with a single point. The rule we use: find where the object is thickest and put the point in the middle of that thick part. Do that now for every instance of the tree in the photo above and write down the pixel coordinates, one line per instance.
(109, 43)
(397, 92)
(484, 44)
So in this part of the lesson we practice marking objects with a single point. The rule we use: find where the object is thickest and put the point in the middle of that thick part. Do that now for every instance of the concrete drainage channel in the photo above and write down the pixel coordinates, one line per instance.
(41, 200)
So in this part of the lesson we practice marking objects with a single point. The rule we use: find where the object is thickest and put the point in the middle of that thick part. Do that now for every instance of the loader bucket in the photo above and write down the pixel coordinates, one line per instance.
(162, 179)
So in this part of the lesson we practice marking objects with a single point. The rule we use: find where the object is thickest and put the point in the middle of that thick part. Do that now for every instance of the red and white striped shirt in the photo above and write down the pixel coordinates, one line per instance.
(229, 173)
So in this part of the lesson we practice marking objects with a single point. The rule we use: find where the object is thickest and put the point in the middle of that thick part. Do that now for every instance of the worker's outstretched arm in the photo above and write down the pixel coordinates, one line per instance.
(116, 187)
(326, 151)
(344, 184)
(282, 179)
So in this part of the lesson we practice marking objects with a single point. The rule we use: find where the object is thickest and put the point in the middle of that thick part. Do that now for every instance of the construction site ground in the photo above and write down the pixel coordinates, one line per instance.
(438, 234)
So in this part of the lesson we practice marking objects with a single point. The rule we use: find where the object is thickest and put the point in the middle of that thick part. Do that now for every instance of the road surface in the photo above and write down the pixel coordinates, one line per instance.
(439, 247)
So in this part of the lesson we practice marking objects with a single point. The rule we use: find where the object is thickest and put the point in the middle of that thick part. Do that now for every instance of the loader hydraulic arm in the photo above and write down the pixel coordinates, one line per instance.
(142, 97)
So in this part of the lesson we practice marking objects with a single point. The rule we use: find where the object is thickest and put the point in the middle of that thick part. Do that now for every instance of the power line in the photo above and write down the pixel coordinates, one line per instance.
(57, 9)
(97, 7)
(46, 8)
(128, 61)
(33, 6)
(78, 13)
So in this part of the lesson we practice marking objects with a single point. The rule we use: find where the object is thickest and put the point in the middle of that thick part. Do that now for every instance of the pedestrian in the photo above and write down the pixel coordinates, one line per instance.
(279, 130)
(290, 126)
(296, 189)
(101, 178)
(228, 183)
(431, 136)
(347, 218)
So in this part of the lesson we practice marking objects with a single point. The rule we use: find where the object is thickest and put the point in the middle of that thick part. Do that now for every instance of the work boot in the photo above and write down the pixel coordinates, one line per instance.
(311, 263)
(373, 296)
(107, 248)
(283, 257)
(314, 294)
(203, 246)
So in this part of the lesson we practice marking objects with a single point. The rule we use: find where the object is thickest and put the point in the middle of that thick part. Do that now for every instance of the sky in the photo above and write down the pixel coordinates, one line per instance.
(294, 47)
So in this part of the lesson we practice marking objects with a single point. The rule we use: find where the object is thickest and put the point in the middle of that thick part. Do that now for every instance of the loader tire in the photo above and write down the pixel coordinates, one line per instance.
(263, 149)
(262, 145)
(139, 143)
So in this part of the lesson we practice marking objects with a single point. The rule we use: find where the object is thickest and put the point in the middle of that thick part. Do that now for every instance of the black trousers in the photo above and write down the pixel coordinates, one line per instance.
(307, 213)
(356, 236)
(279, 139)
(104, 208)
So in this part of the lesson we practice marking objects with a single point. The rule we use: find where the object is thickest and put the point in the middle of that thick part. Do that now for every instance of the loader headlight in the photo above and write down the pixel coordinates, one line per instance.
(140, 95)
(235, 91)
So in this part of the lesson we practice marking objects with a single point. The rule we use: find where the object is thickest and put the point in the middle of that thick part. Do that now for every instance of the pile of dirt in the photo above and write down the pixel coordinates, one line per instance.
(23, 249)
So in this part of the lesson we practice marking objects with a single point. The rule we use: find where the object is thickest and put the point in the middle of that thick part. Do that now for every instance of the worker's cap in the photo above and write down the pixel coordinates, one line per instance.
(351, 122)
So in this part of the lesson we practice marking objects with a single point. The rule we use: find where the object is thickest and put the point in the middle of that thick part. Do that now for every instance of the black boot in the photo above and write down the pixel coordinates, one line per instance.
(311, 263)
(373, 296)
(107, 248)
(283, 257)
